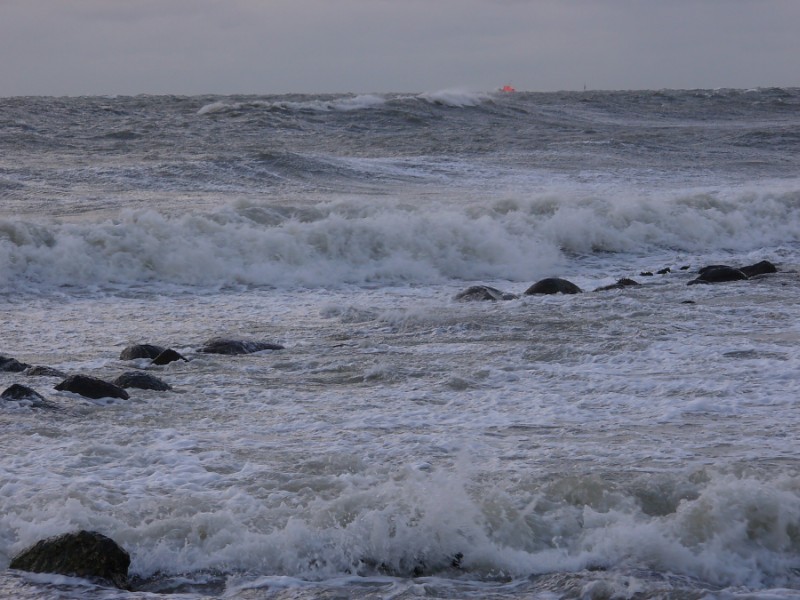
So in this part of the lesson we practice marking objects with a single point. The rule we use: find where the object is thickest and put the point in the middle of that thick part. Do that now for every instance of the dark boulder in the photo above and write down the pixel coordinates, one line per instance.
(229, 346)
(620, 284)
(167, 356)
(91, 387)
(718, 274)
(141, 351)
(760, 268)
(86, 554)
(553, 285)
(12, 365)
(44, 372)
(707, 268)
(142, 381)
(477, 293)
(24, 394)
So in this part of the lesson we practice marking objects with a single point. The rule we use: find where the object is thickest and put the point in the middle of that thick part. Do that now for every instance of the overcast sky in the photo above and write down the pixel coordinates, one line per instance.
(76, 47)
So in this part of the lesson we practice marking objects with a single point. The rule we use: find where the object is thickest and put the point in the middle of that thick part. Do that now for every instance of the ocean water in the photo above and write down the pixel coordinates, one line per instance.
(632, 443)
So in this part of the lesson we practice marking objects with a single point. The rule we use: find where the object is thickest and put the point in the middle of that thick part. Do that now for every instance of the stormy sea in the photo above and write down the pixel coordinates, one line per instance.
(382, 434)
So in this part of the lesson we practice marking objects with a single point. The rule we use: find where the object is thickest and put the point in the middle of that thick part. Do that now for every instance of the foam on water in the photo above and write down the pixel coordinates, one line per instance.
(357, 451)
(456, 98)
(348, 103)
(638, 442)
(353, 242)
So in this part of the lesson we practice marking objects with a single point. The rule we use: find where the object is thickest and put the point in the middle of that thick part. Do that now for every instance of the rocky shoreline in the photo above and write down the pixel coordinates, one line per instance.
(556, 285)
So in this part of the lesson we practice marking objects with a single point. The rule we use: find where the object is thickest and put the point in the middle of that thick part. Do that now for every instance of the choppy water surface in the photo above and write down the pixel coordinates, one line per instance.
(628, 443)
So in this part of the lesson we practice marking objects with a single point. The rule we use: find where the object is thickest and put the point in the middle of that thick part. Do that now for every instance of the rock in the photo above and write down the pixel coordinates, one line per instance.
(167, 356)
(664, 271)
(553, 285)
(229, 346)
(91, 387)
(86, 554)
(760, 268)
(646, 273)
(718, 274)
(141, 351)
(143, 381)
(483, 292)
(44, 372)
(12, 365)
(702, 270)
(621, 283)
(22, 393)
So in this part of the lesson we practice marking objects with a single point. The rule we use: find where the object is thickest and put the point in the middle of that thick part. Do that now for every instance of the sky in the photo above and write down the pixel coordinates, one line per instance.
(88, 47)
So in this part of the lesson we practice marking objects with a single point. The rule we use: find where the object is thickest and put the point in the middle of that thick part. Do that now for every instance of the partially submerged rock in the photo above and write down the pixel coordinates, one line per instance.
(232, 346)
(143, 381)
(721, 273)
(39, 371)
(91, 387)
(760, 268)
(477, 293)
(86, 554)
(167, 356)
(553, 285)
(24, 394)
(620, 284)
(141, 351)
(718, 274)
(12, 365)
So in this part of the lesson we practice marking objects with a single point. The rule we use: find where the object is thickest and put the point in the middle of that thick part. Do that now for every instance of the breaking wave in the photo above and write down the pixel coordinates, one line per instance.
(361, 243)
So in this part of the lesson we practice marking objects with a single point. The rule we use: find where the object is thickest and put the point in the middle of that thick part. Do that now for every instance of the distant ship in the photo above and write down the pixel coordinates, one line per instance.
(507, 88)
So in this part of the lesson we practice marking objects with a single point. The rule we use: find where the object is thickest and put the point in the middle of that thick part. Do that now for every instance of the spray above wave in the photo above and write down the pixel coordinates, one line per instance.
(352, 242)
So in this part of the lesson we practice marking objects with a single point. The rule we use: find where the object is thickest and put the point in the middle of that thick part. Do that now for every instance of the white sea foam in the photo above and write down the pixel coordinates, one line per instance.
(457, 98)
(351, 242)
(344, 103)
(638, 442)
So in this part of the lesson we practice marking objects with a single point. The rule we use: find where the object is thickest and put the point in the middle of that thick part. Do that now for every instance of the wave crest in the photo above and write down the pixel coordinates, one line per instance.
(361, 243)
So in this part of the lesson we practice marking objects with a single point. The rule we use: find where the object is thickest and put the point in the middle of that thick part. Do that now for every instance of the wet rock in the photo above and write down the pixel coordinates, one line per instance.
(86, 554)
(621, 283)
(141, 351)
(91, 387)
(477, 293)
(12, 365)
(142, 381)
(167, 356)
(664, 271)
(646, 274)
(24, 394)
(44, 372)
(718, 274)
(707, 268)
(760, 268)
(553, 285)
(230, 346)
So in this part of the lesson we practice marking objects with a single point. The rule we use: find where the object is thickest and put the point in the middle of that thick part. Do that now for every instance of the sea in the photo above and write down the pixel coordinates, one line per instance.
(632, 443)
